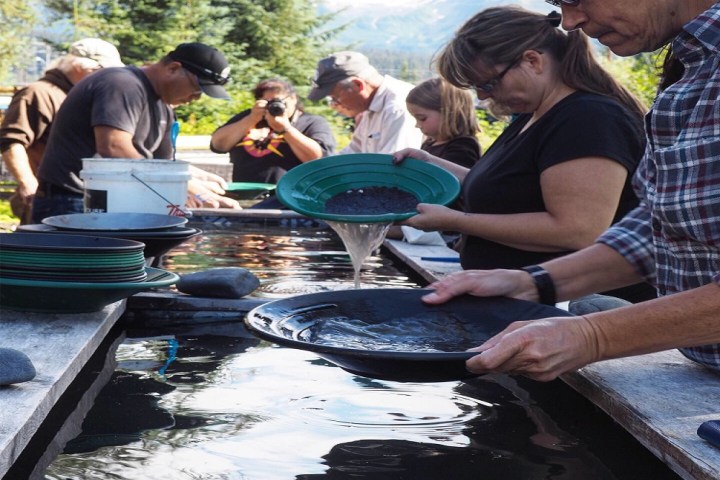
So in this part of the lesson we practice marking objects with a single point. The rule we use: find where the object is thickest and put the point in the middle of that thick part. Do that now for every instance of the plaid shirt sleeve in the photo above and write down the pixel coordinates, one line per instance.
(632, 238)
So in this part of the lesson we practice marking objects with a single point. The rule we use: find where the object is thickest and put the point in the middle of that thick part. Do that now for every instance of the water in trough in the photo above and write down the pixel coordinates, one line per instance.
(207, 400)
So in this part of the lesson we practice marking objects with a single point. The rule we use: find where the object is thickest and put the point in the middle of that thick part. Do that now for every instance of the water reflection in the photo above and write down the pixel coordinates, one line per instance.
(288, 262)
(228, 407)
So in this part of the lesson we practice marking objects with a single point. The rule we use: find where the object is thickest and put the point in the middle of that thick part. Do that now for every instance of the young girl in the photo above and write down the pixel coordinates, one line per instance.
(446, 116)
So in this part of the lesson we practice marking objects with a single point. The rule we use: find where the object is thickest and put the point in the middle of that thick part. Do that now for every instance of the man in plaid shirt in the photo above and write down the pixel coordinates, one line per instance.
(672, 239)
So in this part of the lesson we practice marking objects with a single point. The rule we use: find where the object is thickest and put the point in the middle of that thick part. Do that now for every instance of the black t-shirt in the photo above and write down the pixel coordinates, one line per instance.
(506, 180)
(463, 151)
(268, 158)
(121, 98)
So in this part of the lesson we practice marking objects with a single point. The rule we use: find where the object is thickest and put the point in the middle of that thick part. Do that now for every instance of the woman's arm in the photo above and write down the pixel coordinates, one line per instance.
(304, 147)
(581, 198)
(226, 137)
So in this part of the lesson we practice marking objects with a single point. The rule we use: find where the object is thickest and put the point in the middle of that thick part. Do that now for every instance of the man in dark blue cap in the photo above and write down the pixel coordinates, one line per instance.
(127, 112)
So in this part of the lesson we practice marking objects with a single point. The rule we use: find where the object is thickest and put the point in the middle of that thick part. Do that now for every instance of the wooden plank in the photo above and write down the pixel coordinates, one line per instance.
(59, 346)
(661, 399)
(247, 213)
(411, 255)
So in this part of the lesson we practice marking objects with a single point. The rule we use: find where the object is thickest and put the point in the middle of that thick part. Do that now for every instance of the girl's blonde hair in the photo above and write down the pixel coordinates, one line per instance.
(500, 35)
(456, 107)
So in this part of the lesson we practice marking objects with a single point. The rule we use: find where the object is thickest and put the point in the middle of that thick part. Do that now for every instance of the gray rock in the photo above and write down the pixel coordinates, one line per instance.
(15, 367)
(232, 282)
(595, 303)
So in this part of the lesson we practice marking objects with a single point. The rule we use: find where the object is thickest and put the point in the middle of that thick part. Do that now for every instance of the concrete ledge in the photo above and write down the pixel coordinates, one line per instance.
(59, 346)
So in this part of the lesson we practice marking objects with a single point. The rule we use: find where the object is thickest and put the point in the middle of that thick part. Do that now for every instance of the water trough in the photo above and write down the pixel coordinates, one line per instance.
(660, 398)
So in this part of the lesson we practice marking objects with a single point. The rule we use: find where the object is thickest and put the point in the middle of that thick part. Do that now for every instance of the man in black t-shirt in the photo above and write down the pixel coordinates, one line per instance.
(127, 112)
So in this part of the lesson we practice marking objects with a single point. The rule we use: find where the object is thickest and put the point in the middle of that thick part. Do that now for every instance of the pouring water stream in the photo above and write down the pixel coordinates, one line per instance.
(360, 239)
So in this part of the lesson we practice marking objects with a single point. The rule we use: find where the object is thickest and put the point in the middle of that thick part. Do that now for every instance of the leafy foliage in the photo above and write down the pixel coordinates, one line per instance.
(640, 74)
(17, 18)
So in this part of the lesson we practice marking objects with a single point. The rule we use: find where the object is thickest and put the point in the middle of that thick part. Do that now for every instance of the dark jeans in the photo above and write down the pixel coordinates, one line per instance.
(45, 205)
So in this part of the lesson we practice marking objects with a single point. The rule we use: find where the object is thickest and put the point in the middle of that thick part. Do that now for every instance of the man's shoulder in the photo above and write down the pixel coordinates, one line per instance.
(39, 88)
(391, 96)
(396, 85)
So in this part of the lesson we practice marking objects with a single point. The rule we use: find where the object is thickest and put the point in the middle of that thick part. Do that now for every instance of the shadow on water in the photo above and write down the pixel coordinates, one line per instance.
(212, 401)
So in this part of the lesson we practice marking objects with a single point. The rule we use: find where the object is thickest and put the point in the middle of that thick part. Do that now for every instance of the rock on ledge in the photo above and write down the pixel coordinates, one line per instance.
(232, 282)
(15, 367)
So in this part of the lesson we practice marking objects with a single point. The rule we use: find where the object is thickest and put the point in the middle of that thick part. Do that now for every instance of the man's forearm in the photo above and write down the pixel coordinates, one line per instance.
(597, 268)
(686, 319)
(18, 164)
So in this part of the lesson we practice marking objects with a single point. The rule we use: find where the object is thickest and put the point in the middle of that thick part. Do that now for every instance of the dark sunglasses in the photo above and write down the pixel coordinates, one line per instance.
(201, 72)
(559, 3)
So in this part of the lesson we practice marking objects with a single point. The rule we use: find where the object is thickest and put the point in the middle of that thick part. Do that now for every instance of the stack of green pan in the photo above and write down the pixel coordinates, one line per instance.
(73, 273)
(71, 258)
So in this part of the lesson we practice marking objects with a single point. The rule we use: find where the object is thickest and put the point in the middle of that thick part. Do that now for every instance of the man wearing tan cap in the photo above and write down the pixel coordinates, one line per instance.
(26, 124)
(378, 101)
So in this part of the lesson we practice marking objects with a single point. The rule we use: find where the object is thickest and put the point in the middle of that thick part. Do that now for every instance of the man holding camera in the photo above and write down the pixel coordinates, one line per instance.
(273, 136)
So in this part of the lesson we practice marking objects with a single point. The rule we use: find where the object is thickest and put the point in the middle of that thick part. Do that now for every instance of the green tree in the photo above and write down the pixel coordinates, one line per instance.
(640, 73)
(17, 18)
(260, 38)
(282, 37)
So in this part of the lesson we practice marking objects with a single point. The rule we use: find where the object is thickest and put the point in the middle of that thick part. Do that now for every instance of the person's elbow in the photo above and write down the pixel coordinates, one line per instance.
(218, 146)
(581, 235)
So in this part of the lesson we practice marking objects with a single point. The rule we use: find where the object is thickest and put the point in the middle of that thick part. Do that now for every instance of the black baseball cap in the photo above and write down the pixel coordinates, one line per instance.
(207, 63)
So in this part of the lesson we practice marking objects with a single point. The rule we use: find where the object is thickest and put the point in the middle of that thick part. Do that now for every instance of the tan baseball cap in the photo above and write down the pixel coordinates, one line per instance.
(104, 53)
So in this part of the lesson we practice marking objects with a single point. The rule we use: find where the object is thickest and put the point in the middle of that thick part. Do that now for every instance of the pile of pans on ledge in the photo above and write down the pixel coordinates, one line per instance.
(72, 273)
(160, 233)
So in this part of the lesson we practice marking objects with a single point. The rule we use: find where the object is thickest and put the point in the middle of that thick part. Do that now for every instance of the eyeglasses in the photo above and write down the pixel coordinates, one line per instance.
(334, 101)
(489, 86)
(559, 3)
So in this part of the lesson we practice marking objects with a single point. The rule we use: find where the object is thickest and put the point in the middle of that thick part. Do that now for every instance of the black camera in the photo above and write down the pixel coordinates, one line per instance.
(275, 107)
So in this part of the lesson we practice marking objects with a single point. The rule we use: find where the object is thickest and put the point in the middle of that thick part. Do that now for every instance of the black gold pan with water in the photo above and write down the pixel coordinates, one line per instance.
(390, 334)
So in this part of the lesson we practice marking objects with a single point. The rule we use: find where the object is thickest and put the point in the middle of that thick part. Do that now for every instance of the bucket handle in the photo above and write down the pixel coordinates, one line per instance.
(185, 213)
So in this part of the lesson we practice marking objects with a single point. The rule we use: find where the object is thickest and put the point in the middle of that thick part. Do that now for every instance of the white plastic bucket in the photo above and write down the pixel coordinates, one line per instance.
(138, 186)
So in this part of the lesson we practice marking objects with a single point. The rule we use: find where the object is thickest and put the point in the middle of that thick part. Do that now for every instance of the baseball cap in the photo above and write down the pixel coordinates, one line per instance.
(336, 67)
(207, 63)
(104, 53)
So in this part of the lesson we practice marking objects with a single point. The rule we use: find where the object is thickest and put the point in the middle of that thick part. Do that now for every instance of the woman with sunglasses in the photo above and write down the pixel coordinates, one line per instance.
(558, 176)
(273, 136)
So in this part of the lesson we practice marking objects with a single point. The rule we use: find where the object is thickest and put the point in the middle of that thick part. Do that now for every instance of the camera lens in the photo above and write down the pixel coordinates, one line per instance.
(276, 107)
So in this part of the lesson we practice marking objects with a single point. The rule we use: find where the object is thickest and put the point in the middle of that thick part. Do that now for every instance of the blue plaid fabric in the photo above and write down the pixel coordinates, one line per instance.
(673, 237)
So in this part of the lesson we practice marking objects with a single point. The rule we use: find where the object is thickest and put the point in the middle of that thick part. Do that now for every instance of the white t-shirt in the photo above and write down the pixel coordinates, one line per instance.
(386, 126)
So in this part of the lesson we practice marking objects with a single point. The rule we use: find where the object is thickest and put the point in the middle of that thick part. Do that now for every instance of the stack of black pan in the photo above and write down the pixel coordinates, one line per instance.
(160, 233)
